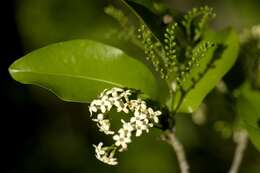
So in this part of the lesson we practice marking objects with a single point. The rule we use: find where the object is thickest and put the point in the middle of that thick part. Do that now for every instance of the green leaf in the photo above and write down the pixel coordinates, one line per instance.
(213, 66)
(156, 6)
(78, 70)
(135, 16)
(149, 16)
(249, 111)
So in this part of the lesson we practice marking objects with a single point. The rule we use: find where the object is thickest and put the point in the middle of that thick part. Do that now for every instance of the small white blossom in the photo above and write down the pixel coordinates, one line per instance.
(122, 107)
(122, 138)
(102, 155)
(138, 116)
(115, 92)
(133, 104)
(115, 100)
(105, 104)
(102, 104)
(99, 150)
(128, 128)
(126, 95)
(100, 117)
(108, 160)
(140, 126)
(137, 104)
(142, 119)
(92, 108)
(104, 126)
(154, 115)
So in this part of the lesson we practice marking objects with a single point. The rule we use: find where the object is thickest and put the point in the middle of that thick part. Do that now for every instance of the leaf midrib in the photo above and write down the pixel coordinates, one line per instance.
(13, 71)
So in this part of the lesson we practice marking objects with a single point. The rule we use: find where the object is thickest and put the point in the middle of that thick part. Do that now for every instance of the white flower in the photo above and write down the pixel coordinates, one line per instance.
(99, 150)
(138, 116)
(104, 126)
(154, 115)
(140, 126)
(122, 107)
(102, 154)
(115, 100)
(100, 117)
(114, 91)
(133, 104)
(122, 138)
(126, 95)
(127, 127)
(142, 119)
(92, 108)
(108, 160)
(103, 104)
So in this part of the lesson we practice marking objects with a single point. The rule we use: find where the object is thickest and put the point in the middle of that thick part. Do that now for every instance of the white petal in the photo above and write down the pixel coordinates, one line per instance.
(124, 145)
(103, 109)
(136, 113)
(156, 119)
(138, 132)
(157, 113)
(100, 116)
(116, 137)
(97, 102)
(133, 119)
(117, 143)
(127, 140)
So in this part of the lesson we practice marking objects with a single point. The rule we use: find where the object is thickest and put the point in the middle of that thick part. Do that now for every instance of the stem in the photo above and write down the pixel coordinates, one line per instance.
(177, 146)
(241, 140)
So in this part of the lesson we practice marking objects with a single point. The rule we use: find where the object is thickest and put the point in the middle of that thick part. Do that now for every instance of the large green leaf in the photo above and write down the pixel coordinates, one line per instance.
(213, 66)
(78, 70)
(248, 107)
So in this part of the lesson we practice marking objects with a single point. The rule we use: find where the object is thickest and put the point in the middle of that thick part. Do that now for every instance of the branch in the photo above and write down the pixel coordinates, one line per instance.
(241, 140)
(171, 139)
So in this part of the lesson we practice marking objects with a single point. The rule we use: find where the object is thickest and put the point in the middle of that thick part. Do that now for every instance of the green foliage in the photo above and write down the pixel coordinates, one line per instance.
(156, 6)
(128, 32)
(42, 22)
(189, 59)
(213, 67)
(170, 47)
(151, 49)
(249, 55)
(195, 22)
(79, 70)
(248, 110)
(183, 54)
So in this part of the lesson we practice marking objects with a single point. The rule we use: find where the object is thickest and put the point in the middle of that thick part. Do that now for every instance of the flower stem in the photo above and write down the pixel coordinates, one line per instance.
(177, 146)
(241, 139)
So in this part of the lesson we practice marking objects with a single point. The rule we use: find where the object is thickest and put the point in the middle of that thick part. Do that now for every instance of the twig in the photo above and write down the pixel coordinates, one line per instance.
(171, 139)
(241, 140)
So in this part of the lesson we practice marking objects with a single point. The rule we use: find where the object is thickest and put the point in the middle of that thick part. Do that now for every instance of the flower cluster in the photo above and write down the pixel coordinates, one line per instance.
(141, 118)
(105, 154)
